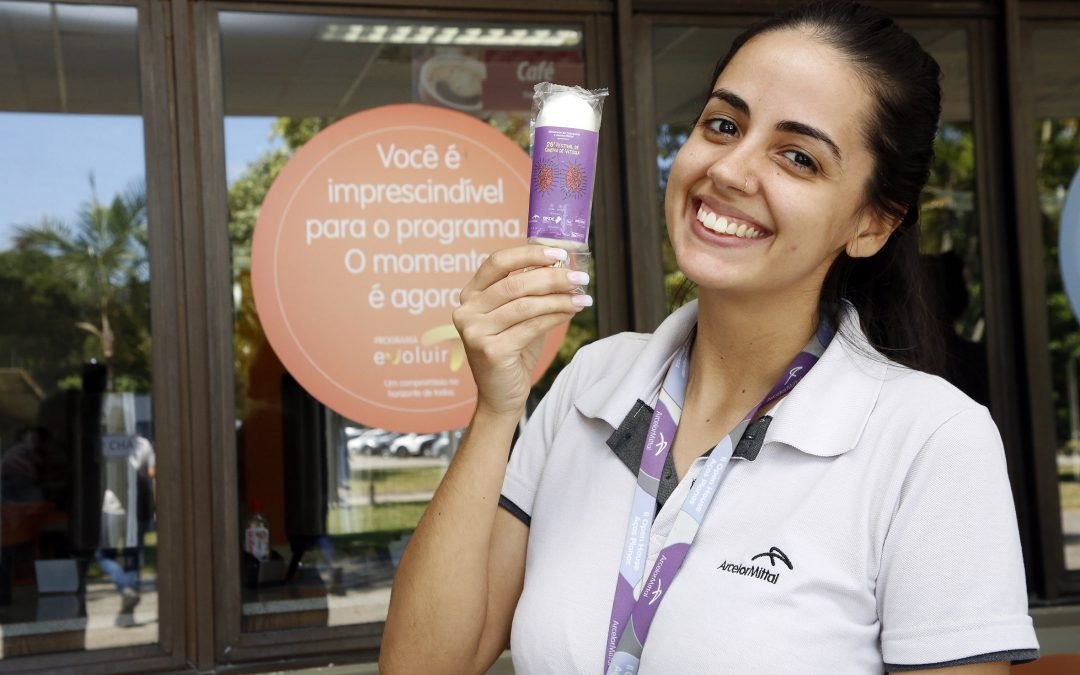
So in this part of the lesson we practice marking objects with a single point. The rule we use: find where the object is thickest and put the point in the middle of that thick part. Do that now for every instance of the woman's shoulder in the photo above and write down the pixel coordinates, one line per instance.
(614, 348)
(924, 390)
(904, 391)
(930, 411)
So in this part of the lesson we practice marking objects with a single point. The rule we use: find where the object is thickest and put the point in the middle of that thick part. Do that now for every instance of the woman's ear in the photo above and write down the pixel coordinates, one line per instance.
(871, 233)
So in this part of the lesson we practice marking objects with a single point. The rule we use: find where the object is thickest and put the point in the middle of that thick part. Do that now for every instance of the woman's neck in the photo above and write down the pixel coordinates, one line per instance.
(743, 346)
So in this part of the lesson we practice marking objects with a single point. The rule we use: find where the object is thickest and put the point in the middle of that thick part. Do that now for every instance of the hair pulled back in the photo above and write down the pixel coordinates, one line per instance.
(904, 81)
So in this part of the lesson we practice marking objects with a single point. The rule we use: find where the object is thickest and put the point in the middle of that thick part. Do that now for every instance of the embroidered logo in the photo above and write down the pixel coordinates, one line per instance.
(772, 554)
(759, 571)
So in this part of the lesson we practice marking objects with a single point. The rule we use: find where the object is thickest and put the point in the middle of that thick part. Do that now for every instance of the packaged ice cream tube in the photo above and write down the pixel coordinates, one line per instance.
(566, 125)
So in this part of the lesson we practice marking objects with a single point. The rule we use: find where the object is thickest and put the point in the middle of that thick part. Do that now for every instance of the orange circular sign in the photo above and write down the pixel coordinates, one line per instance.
(360, 251)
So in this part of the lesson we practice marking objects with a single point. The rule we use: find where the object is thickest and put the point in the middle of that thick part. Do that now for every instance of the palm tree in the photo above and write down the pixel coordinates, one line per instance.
(105, 250)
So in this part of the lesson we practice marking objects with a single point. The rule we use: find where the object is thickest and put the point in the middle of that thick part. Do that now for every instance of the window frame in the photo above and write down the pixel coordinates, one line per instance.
(156, 78)
(210, 303)
(1059, 584)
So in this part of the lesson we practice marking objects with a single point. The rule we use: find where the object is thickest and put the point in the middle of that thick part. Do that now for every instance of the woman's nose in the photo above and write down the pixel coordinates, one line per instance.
(735, 169)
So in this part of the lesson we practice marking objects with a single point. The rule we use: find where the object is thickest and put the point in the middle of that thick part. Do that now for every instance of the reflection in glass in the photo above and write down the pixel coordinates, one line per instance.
(952, 256)
(1057, 140)
(77, 463)
(336, 499)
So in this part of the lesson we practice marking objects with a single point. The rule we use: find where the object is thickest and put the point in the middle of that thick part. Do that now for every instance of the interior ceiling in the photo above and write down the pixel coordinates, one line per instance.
(84, 59)
(68, 58)
(1054, 58)
(278, 66)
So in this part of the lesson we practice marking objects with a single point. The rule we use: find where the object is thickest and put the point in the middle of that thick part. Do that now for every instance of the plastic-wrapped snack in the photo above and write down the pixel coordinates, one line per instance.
(566, 125)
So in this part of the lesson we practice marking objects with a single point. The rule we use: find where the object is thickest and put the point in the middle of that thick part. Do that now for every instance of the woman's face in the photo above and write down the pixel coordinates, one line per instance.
(767, 190)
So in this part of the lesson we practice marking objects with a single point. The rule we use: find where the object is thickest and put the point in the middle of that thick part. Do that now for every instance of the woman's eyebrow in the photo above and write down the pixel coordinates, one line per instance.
(732, 99)
(807, 130)
(737, 102)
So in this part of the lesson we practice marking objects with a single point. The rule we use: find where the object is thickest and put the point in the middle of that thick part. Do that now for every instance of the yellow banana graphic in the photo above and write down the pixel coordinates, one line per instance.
(445, 333)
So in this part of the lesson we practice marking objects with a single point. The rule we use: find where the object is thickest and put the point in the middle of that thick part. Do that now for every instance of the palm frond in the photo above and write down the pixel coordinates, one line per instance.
(50, 236)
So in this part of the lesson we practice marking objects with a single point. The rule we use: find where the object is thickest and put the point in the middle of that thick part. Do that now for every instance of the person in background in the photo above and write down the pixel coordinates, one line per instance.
(120, 555)
(24, 506)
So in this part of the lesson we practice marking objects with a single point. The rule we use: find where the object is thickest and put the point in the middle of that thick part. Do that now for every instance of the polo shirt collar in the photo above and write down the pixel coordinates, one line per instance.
(824, 416)
(614, 395)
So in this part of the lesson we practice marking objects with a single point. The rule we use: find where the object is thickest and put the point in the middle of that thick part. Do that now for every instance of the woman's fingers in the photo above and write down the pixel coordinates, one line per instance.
(512, 300)
(521, 335)
(532, 283)
(502, 264)
(527, 308)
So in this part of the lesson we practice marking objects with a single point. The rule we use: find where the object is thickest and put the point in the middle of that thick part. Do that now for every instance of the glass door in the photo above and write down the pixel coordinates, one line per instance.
(79, 543)
(337, 498)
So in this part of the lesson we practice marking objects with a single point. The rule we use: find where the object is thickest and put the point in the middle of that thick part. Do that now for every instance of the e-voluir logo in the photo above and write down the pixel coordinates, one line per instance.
(757, 571)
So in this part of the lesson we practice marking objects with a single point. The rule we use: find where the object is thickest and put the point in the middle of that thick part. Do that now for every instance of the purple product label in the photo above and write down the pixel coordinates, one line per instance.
(560, 197)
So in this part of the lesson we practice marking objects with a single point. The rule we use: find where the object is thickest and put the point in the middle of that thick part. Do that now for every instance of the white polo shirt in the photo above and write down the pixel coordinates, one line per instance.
(875, 529)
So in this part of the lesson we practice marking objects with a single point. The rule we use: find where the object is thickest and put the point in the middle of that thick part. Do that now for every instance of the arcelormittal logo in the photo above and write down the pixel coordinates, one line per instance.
(757, 571)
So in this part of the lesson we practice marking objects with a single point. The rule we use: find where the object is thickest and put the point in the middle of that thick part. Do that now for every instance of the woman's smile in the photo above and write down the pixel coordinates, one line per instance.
(725, 226)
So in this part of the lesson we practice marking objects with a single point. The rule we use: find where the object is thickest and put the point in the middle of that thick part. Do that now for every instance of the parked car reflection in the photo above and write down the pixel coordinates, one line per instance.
(412, 445)
(363, 442)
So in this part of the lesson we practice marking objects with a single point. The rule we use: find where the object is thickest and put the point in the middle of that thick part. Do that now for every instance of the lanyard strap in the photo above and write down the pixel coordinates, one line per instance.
(623, 647)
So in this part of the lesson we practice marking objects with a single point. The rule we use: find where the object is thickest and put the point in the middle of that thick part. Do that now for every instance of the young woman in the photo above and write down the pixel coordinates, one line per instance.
(824, 507)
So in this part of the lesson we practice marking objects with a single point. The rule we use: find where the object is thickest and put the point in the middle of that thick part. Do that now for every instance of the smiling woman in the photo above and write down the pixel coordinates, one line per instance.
(784, 411)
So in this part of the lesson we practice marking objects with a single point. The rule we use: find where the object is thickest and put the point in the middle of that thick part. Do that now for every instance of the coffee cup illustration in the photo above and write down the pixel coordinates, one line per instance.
(453, 80)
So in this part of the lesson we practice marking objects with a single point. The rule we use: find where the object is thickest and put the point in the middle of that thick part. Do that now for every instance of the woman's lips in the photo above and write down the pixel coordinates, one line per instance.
(728, 224)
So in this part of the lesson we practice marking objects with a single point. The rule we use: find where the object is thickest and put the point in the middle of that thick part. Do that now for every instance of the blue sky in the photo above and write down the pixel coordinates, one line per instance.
(48, 159)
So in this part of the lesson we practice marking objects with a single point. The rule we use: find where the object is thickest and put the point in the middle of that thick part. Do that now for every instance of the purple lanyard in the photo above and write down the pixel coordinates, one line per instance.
(623, 647)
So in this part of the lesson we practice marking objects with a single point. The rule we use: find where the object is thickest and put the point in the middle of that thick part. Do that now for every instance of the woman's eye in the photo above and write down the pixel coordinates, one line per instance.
(801, 160)
(723, 126)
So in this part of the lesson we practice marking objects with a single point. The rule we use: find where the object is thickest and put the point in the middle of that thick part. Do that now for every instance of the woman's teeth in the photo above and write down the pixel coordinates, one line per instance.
(722, 225)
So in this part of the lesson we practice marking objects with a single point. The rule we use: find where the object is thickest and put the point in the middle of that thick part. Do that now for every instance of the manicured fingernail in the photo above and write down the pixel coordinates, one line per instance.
(555, 253)
(577, 278)
(582, 300)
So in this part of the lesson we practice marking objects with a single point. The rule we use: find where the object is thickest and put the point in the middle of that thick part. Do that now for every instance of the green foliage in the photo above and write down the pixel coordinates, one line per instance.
(246, 194)
(513, 125)
(392, 480)
(38, 334)
(80, 291)
(948, 219)
(392, 517)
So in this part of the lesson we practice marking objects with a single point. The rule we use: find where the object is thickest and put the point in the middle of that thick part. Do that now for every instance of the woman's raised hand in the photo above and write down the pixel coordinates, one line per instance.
(506, 309)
